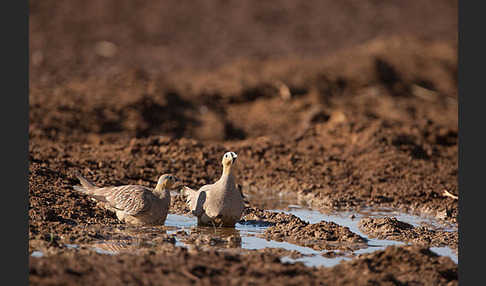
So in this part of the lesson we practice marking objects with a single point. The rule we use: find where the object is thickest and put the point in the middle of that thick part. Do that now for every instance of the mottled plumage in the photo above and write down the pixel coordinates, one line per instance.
(218, 204)
(133, 204)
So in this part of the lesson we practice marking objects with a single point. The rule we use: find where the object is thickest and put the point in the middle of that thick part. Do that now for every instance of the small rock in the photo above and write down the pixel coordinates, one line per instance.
(106, 49)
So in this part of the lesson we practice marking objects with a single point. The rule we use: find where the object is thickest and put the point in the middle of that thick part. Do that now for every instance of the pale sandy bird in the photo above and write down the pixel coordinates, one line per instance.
(133, 204)
(218, 204)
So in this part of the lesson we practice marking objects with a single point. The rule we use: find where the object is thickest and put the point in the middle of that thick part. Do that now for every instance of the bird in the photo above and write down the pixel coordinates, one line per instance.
(219, 204)
(133, 204)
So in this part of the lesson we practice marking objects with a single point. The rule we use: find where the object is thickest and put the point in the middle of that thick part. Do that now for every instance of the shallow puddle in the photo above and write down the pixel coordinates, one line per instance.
(246, 235)
(37, 253)
(351, 220)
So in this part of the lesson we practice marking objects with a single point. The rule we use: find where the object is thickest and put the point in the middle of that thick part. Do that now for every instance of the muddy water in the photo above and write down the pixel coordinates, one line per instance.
(245, 236)
(351, 220)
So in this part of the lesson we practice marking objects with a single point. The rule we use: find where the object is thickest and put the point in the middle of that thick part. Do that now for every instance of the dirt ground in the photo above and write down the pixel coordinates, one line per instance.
(391, 228)
(334, 105)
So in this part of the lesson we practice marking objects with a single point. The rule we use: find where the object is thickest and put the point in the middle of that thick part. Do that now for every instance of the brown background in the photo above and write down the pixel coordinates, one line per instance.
(123, 91)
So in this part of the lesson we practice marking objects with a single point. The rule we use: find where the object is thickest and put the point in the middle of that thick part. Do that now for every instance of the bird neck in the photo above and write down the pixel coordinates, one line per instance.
(161, 191)
(227, 176)
(227, 170)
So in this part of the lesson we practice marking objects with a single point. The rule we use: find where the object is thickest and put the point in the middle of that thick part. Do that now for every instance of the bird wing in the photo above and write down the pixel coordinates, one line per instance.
(239, 188)
(211, 206)
(245, 200)
(195, 200)
(132, 199)
(206, 188)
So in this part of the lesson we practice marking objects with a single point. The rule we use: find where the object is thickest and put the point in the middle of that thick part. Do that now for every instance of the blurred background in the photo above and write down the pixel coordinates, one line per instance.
(232, 70)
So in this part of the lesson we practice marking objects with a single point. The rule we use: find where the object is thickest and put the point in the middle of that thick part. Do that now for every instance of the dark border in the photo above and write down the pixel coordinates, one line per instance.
(472, 204)
(14, 118)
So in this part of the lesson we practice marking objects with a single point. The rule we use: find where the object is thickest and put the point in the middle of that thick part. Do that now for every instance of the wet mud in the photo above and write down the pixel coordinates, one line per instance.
(319, 236)
(410, 264)
(393, 229)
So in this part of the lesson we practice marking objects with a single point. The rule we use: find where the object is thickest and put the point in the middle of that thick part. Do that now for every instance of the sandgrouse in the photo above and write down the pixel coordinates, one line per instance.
(133, 204)
(218, 204)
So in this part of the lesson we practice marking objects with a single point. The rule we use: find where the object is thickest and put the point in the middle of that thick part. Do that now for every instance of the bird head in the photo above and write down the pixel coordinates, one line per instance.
(167, 181)
(229, 158)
